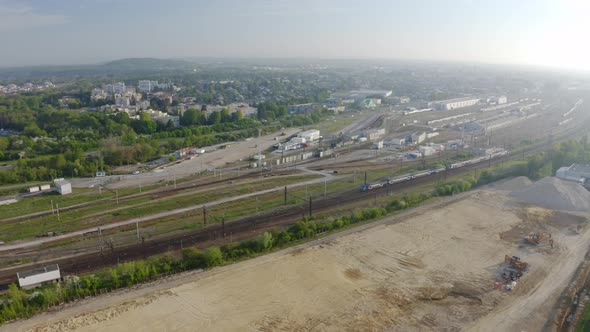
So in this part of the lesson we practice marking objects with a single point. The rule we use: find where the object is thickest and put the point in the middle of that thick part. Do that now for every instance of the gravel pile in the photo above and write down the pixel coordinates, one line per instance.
(556, 194)
(515, 184)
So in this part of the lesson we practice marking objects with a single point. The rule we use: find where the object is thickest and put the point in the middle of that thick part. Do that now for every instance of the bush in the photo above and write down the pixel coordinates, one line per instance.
(212, 257)
(192, 258)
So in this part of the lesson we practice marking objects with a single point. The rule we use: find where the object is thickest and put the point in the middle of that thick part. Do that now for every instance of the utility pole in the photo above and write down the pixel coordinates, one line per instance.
(57, 207)
(137, 228)
(204, 215)
(310, 207)
(259, 156)
(285, 195)
(117, 196)
(52, 211)
(325, 188)
(223, 224)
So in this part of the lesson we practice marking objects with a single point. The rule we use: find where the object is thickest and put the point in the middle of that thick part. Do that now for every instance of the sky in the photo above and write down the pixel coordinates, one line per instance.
(531, 32)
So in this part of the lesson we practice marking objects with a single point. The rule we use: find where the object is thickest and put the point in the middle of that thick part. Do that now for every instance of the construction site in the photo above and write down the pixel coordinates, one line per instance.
(481, 261)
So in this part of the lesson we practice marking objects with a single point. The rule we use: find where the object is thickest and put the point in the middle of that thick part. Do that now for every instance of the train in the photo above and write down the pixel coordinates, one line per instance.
(407, 177)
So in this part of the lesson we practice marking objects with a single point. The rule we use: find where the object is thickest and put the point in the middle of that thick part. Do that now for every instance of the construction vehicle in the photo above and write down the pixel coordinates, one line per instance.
(516, 262)
(537, 238)
(511, 275)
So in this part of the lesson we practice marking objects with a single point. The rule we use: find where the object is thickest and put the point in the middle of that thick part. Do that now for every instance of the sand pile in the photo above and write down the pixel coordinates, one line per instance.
(515, 184)
(556, 194)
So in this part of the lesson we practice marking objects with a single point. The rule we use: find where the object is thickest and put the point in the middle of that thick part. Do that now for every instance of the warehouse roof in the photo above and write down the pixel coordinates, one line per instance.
(455, 100)
(37, 271)
(581, 168)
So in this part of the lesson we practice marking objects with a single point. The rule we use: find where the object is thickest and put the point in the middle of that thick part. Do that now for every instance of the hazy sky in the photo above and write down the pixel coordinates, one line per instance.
(536, 32)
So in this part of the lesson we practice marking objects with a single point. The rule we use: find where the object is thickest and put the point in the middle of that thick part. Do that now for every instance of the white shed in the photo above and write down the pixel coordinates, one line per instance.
(38, 277)
(63, 187)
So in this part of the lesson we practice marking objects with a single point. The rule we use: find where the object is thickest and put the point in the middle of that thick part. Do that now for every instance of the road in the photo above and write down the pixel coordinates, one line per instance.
(36, 242)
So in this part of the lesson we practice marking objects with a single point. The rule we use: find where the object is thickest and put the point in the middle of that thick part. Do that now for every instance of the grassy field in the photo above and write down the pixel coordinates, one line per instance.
(108, 211)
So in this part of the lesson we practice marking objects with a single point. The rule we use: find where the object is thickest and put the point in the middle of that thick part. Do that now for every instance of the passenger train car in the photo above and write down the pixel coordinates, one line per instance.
(411, 176)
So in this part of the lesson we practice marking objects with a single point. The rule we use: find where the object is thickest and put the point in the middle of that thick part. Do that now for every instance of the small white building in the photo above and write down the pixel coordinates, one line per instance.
(34, 189)
(310, 135)
(378, 145)
(63, 187)
(45, 187)
(38, 277)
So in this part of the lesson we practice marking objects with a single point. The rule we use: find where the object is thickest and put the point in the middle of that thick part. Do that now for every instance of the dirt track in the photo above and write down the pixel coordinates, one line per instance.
(433, 271)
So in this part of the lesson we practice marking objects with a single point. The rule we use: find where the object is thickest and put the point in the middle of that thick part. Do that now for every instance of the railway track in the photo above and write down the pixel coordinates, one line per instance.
(221, 233)
(155, 194)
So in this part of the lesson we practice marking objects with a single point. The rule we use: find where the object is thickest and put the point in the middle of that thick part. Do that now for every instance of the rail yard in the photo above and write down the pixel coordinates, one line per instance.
(233, 200)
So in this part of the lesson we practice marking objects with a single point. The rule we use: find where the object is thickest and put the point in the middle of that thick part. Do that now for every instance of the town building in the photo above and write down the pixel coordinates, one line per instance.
(163, 117)
(363, 93)
(418, 137)
(404, 100)
(374, 134)
(185, 152)
(310, 135)
(575, 172)
(98, 94)
(398, 141)
(370, 102)
(302, 108)
(451, 104)
(38, 277)
(122, 101)
(426, 150)
(147, 85)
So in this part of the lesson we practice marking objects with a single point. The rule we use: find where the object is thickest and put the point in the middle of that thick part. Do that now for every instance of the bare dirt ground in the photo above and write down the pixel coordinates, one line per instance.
(432, 271)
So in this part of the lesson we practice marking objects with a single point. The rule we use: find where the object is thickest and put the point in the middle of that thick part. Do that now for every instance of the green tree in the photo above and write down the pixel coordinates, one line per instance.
(212, 257)
(214, 118)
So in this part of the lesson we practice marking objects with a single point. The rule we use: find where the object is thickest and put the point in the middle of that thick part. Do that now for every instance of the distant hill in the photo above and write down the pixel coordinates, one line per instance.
(147, 64)
(113, 68)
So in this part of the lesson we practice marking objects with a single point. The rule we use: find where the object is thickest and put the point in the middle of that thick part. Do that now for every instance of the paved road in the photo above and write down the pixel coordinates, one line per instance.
(21, 245)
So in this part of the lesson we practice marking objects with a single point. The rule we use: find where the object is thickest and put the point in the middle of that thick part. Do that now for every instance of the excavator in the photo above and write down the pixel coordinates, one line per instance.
(515, 262)
(537, 238)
